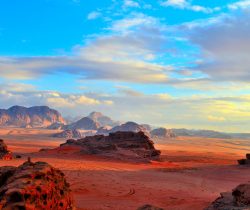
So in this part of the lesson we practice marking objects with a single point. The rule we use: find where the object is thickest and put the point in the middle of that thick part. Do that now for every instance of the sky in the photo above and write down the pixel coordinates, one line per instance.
(170, 63)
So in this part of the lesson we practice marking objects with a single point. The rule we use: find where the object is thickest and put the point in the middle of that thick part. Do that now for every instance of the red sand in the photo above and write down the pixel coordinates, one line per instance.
(192, 173)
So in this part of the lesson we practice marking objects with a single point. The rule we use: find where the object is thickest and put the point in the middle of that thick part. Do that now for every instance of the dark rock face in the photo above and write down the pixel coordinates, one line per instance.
(149, 207)
(127, 144)
(69, 134)
(162, 133)
(5, 154)
(245, 161)
(84, 124)
(34, 186)
(239, 199)
(37, 116)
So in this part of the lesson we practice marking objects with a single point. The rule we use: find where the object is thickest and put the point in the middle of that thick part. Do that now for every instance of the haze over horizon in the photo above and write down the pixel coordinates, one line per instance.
(172, 63)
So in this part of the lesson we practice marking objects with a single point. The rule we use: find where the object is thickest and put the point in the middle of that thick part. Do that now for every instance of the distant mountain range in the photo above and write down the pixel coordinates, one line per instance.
(95, 123)
(37, 116)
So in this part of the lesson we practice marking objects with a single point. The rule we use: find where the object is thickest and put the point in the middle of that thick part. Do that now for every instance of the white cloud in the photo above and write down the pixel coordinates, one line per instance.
(94, 15)
(245, 4)
(184, 4)
(130, 3)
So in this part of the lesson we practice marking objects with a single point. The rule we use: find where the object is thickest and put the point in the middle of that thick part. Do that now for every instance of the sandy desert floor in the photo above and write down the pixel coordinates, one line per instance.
(191, 174)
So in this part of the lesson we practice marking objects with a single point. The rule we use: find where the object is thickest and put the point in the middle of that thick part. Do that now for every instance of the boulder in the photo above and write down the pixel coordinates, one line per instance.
(34, 186)
(238, 199)
(5, 154)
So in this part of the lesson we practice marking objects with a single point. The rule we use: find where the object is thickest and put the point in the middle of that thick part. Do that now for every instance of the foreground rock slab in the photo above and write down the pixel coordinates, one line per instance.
(34, 186)
(119, 144)
(238, 199)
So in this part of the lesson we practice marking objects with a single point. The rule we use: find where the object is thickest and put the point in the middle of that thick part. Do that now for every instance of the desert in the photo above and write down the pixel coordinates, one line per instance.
(192, 173)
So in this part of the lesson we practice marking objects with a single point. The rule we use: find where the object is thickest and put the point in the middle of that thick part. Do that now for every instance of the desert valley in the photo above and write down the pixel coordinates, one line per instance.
(188, 172)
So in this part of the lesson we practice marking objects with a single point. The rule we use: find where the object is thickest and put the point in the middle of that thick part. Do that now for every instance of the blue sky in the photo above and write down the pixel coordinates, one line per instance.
(172, 63)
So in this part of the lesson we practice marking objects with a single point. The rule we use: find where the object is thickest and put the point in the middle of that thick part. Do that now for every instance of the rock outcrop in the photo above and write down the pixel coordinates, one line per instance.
(34, 186)
(37, 116)
(5, 154)
(238, 199)
(162, 133)
(69, 134)
(128, 145)
(245, 161)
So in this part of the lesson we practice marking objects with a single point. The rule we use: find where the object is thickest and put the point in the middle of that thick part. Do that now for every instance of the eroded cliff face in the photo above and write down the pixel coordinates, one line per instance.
(119, 144)
(34, 186)
(38, 116)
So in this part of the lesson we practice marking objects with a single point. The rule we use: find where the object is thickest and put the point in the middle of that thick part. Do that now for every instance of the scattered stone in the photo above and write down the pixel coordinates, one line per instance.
(5, 154)
(149, 207)
(123, 144)
(245, 161)
(238, 199)
(34, 186)
(69, 134)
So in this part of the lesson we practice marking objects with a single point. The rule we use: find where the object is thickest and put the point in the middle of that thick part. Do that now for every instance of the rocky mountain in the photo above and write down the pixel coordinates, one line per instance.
(201, 133)
(162, 133)
(68, 134)
(131, 145)
(102, 120)
(84, 124)
(37, 116)
(34, 186)
(238, 199)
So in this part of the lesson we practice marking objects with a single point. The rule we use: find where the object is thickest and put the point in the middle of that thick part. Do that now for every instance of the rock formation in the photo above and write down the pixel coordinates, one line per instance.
(84, 124)
(34, 186)
(120, 144)
(37, 116)
(238, 199)
(245, 161)
(69, 134)
(149, 207)
(162, 133)
(5, 154)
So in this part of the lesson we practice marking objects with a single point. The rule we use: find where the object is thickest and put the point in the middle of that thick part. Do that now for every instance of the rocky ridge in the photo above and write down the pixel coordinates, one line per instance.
(33, 117)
